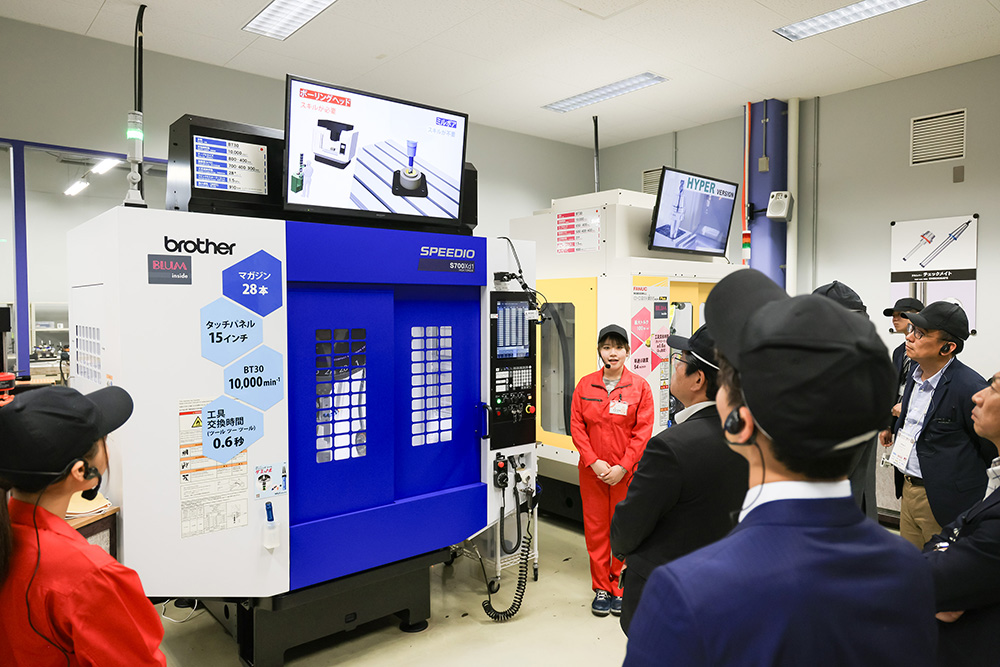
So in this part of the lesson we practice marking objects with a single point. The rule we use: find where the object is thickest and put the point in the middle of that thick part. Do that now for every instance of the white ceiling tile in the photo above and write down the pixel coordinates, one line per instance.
(405, 75)
(500, 61)
(66, 15)
(421, 20)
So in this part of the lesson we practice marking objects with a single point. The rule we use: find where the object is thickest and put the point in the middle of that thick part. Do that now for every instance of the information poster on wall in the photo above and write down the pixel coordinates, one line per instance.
(940, 256)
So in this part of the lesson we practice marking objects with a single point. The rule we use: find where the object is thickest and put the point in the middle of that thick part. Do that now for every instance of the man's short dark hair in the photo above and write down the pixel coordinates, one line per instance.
(692, 365)
(831, 466)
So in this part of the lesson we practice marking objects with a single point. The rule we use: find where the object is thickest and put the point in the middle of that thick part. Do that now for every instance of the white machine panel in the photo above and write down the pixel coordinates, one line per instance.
(186, 311)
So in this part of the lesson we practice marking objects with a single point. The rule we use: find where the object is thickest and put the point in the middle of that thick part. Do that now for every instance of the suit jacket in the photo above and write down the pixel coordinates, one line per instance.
(797, 582)
(967, 577)
(684, 494)
(953, 459)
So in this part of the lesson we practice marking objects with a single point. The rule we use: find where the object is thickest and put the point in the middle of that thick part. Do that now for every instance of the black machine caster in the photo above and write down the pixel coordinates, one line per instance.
(493, 586)
(534, 573)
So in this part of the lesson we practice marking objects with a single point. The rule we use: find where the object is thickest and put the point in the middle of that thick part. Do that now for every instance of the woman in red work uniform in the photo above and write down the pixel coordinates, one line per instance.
(612, 420)
(64, 601)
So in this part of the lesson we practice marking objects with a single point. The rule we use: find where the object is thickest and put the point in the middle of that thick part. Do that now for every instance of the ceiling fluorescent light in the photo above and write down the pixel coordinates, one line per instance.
(629, 85)
(106, 165)
(859, 11)
(77, 187)
(283, 17)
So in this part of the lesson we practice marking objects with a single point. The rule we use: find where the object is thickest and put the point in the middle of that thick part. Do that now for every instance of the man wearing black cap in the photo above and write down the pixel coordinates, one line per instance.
(64, 600)
(805, 578)
(688, 484)
(862, 475)
(940, 461)
(903, 364)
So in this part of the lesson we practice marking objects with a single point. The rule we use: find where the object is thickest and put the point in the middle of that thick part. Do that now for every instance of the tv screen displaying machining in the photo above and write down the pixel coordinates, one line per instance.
(355, 153)
(692, 214)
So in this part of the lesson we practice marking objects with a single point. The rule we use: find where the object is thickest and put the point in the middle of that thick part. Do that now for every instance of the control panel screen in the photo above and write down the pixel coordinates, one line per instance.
(512, 330)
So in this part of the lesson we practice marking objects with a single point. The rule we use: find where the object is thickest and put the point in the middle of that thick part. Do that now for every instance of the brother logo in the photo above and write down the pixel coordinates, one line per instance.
(201, 246)
(459, 253)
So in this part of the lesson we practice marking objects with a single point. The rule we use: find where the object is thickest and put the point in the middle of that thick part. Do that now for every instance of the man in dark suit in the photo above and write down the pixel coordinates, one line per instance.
(805, 578)
(940, 461)
(688, 485)
(965, 559)
(862, 475)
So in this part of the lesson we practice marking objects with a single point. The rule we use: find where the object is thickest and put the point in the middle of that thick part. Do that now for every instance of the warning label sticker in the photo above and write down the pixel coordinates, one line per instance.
(214, 496)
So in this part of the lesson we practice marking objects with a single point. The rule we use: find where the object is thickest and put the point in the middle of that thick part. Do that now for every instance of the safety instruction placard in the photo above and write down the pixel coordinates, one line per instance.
(213, 495)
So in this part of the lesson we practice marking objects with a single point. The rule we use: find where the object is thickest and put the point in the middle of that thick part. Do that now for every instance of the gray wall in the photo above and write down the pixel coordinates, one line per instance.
(714, 150)
(865, 182)
(68, 90)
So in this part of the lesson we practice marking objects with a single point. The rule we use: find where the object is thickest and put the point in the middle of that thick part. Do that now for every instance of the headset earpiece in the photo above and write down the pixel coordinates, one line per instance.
(734, 422)
(945, 348)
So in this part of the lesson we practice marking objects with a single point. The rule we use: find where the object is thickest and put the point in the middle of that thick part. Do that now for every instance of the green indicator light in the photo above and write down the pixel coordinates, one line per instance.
(133, 134)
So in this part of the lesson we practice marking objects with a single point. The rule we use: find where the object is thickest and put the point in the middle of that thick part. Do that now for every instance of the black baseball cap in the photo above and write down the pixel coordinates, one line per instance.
(842, 294)
(701, 345)
(943, 316)
(904, 304)
(814, 375)
(44, 430)
(612, 330)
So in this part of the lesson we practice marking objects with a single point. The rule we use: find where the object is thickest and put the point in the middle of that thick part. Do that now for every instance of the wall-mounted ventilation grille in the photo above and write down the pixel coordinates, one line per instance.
(651, 180)
(937, 137)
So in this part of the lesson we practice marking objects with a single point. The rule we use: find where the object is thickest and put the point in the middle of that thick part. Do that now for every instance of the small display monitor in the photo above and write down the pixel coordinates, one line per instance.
(359, 154)
(693, 213)
(217, 166)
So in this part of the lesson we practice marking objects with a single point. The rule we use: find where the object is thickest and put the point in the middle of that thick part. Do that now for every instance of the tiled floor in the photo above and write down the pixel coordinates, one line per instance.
(554, 626)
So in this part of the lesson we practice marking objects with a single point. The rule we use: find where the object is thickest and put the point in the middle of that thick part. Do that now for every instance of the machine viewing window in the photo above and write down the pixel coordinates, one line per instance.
(431, 384)
(341, 394)
(88, 353)
(512, 330)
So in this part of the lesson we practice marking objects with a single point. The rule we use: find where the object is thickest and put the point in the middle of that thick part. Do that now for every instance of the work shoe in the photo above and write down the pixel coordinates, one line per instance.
(601, 605)
(616, 605)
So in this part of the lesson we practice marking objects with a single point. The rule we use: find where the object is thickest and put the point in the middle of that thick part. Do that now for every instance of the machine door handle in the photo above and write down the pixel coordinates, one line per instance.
(484, 423)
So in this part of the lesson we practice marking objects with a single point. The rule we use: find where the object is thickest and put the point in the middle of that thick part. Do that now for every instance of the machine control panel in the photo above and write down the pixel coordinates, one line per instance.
(512, 370)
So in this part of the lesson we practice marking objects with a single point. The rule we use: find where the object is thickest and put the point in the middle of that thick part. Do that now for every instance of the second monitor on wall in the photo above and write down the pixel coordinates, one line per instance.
(693, 213)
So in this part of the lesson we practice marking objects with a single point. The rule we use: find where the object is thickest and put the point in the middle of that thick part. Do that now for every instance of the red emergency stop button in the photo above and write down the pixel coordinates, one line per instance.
(530, 409)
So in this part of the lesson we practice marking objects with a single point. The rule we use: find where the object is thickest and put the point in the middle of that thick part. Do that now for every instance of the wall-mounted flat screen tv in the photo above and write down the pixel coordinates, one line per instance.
(693, 213)
(358, 154)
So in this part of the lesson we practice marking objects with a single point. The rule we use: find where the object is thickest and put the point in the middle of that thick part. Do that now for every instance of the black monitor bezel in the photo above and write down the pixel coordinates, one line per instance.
(394, 220)
(656, 214)
(181, 192)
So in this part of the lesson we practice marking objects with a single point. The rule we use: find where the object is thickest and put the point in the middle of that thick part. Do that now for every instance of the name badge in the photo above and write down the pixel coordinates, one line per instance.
(901, 449)
(619, 408)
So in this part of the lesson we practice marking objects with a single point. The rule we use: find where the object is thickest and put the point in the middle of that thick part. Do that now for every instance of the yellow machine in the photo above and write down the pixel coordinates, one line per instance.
(594, 269)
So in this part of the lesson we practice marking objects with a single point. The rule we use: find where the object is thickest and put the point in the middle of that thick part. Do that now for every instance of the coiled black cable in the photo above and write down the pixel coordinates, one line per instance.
(503, 511)
(522, 581)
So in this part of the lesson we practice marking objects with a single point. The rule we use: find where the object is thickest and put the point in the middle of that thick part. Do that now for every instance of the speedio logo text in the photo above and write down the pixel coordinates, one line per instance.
(200, 246)
(455, 253)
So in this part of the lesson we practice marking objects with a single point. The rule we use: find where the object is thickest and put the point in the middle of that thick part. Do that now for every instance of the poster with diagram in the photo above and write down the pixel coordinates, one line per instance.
(936, 259)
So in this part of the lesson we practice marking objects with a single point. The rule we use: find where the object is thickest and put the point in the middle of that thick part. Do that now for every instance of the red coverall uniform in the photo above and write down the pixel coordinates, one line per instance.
(82, 598)
(617, 440)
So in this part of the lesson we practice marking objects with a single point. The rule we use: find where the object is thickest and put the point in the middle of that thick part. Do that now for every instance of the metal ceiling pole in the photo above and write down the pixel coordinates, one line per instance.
(597, 164)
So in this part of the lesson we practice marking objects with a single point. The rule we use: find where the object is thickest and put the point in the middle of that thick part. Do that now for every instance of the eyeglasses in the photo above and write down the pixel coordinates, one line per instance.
(918, 334)
(677, 356)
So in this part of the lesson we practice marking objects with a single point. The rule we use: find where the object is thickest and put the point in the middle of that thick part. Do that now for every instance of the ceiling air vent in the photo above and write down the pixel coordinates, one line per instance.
(938, 137)
(651, 180)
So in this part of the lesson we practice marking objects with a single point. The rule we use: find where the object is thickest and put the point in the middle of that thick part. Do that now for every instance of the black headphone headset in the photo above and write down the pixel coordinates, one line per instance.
(734, 424)
(945, 347)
